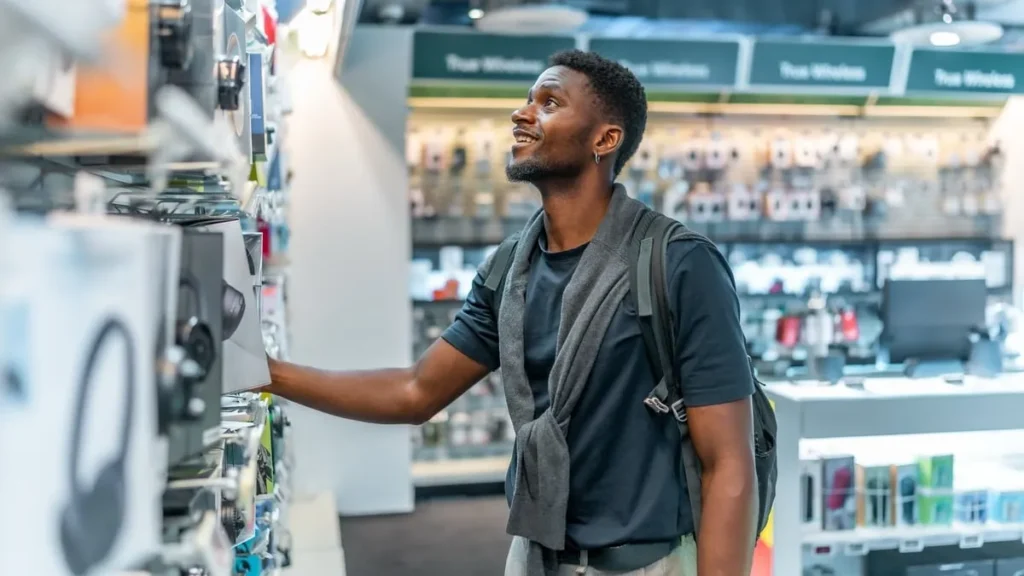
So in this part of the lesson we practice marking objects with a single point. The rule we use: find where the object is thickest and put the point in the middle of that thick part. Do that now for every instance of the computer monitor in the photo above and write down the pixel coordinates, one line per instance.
(932, 320)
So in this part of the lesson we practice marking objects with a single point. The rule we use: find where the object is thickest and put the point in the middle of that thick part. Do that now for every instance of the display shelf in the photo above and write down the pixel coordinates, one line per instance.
(460, 471)
(910, 538)
(467, 452)
(883, 407)
(475, 231)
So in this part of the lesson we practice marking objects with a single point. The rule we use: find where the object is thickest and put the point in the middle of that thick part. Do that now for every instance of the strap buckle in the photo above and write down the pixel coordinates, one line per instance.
(678, 410)
(655, 404)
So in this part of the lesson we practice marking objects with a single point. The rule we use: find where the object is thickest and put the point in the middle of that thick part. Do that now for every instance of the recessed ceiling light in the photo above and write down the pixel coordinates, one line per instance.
(944, 38)
(940, 35)
(476, 14)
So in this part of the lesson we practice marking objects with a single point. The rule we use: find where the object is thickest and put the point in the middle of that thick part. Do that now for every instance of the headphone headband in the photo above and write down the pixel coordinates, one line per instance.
(111, 327)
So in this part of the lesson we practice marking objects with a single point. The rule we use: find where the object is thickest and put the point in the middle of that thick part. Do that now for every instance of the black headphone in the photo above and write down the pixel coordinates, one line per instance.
(194, 334)
(91, 521)
(233, 304)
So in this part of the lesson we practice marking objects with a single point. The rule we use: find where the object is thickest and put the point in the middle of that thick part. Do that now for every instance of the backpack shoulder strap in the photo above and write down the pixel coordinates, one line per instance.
(500, 265)
(650, 282)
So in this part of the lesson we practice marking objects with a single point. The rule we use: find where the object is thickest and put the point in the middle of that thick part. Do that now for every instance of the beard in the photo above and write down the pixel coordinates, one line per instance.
(533, 170)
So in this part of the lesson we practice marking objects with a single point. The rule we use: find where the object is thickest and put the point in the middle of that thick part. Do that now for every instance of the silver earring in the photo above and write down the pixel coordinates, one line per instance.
(597, 158)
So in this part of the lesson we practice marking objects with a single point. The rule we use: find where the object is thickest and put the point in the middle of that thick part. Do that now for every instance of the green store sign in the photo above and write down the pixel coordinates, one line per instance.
(821, 65)
(472, 56)
(674, 62)
(952, 71)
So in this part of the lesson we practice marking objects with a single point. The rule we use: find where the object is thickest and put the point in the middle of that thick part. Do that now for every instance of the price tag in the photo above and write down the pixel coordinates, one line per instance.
(856, 549)
(822, 550)
(968, 541)
(911, 545)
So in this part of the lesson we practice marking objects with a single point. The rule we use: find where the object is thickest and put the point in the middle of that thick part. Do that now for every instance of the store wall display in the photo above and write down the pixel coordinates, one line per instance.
(888, 177)
(823, 186)
(120, 305)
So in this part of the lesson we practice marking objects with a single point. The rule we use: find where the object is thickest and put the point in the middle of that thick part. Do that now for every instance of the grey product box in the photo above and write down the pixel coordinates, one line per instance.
(199, 298)
(199, 78)
(839, 493)
(977, 568)
(1010, 567)
(810, 495)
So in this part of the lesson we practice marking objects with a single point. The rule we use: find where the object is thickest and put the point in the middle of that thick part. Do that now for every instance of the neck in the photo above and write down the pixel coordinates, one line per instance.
(573, 210)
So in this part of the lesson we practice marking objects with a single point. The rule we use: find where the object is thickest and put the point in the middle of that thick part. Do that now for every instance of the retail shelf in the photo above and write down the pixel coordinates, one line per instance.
(460, 471)
(887, 406)
(910, 538)
(470, 231)
(446, 230)
(467, 452)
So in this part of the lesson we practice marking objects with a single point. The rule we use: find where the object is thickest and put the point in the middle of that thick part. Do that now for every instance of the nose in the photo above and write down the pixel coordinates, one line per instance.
(522, 115)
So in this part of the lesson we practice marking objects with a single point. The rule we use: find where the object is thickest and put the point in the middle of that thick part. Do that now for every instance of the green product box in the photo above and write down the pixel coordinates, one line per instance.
(935, 504)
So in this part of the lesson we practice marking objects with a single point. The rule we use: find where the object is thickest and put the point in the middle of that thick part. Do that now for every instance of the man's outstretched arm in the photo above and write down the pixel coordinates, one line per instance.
(390, 396)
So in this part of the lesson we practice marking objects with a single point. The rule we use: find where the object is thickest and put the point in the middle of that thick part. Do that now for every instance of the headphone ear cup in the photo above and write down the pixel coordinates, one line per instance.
(233, 302)
(91, 524)
(72, 533)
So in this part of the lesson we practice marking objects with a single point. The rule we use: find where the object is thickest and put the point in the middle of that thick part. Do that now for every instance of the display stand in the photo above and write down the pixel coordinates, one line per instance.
(886, 407)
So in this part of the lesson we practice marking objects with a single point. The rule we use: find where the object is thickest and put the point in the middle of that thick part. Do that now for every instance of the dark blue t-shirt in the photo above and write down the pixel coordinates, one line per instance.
(625, 481)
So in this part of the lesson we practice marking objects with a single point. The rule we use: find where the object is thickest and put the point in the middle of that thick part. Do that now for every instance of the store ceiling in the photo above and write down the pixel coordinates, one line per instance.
(652, 18)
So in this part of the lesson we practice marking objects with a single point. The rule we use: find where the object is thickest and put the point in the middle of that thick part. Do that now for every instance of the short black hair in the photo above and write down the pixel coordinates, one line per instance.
(619, 92)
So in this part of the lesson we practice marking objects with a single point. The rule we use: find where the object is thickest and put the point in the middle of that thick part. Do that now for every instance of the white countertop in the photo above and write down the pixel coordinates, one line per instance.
(889, 406)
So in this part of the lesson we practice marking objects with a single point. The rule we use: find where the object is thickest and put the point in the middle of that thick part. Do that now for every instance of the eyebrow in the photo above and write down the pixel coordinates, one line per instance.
(552, 85)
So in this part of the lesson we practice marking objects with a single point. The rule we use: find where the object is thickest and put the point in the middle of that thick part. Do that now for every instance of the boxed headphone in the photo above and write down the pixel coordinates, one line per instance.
(232, 73)
(244, 363)
(194, 405)
(87, 368)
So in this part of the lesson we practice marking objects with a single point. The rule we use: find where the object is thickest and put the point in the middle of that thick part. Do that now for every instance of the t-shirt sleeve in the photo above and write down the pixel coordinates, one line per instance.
(475, 330)
(710, 345)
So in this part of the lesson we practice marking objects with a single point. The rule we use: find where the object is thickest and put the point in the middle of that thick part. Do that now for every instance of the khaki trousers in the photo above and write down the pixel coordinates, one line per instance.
(682, 562)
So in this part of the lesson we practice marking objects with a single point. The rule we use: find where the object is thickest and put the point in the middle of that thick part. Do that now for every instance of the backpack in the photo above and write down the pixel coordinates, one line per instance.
(649, 293)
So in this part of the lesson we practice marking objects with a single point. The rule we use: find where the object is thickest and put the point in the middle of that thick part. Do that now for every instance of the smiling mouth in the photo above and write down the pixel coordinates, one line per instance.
(524, 138)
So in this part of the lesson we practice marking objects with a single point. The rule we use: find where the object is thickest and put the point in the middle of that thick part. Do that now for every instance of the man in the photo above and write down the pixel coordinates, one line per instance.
(601, 491)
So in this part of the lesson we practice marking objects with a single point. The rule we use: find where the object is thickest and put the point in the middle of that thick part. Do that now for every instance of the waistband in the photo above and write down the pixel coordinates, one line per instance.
(625, 558)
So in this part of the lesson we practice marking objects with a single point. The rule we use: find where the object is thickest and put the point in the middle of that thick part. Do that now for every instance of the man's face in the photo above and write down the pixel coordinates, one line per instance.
(554, 129)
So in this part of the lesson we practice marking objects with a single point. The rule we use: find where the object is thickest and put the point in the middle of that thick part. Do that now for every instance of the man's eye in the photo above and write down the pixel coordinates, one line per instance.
(551, 102)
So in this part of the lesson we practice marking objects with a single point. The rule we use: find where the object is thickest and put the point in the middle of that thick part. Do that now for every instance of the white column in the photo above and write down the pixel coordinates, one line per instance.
(348, 298)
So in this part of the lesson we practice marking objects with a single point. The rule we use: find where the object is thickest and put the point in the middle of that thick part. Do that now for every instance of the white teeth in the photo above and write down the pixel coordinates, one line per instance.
(524, 139)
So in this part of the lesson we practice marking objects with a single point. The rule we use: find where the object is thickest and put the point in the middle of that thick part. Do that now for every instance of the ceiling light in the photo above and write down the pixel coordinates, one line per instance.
(476, 14)
(944, 38)
(959, 33)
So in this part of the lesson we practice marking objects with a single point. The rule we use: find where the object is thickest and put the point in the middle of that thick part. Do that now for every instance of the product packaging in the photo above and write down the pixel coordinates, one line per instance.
(905, 486)
(810, 494)
(874, 496)
(839, 509)
(936, 487)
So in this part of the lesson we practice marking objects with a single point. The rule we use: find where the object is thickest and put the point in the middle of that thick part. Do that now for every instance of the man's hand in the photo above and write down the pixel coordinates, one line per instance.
(390, 396)
(723, 439)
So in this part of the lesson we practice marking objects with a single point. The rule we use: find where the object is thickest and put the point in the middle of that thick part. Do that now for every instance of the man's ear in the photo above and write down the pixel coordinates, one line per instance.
(609, 138)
